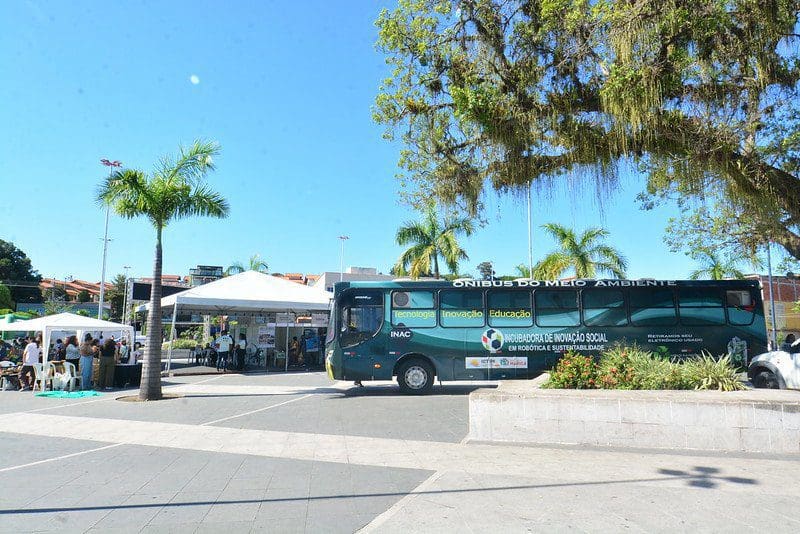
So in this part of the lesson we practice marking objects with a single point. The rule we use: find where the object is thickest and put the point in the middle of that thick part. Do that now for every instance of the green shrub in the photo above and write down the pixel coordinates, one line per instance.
(615, 369)
(707, 372)
(573, 371)
(652, 371)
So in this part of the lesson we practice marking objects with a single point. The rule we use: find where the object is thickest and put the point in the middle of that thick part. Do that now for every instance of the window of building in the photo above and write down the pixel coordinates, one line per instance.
(461, 308)
(509, 308)
(556, 307)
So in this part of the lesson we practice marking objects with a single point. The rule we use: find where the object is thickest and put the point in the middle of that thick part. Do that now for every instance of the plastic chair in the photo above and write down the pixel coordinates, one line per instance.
(40, 377)
(72, 377)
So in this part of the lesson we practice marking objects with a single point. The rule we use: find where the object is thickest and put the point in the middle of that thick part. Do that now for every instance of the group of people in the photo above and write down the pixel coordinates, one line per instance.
(109, 353)
(223, 352)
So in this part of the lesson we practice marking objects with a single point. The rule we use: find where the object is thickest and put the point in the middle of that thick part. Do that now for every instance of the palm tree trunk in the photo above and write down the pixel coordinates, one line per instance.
(436, 265)
(150, 387)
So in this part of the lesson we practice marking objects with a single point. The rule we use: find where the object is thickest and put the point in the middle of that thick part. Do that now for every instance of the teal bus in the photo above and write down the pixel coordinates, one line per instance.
(490, 330)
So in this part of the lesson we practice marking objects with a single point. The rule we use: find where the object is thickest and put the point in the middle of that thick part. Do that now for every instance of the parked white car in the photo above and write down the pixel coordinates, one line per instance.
(776, 370)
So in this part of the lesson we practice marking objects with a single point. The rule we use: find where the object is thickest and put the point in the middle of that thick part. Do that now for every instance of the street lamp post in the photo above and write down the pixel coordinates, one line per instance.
(111, 165)
(343, 238)
(772, 296)
(530, 234)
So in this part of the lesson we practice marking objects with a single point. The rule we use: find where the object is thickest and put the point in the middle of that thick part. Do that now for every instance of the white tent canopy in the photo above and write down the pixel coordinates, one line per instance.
(249, 291)
(68, 322)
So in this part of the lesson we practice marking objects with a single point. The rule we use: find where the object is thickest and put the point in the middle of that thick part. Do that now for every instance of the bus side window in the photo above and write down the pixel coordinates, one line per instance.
(700, 306)
(461, 308)
(652, 307)
(604, 307)
(415, 309)
(556, 307)
(741, 307)
(509, 308)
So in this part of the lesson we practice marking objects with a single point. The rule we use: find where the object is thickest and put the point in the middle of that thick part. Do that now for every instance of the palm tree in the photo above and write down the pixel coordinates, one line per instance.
(714, 267)
(523, 271)
(256, 264)
(429, 240)
(583, 253)
(174, 190)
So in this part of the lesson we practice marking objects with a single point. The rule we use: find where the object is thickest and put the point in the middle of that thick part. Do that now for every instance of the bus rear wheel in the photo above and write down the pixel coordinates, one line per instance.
(415, 377)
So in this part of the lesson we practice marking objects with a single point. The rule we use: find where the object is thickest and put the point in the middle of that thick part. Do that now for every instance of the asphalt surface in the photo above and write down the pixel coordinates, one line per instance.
(298, 453)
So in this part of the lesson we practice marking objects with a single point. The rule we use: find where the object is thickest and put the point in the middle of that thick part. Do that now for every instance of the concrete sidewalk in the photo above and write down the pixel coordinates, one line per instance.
(298, 453)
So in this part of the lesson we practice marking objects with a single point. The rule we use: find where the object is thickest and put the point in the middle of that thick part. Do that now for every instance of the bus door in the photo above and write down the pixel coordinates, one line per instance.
(361, 319)
(462, 318)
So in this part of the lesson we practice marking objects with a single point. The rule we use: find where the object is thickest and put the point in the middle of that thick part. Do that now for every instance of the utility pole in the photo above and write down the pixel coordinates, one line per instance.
(111, 165)
(125, 297)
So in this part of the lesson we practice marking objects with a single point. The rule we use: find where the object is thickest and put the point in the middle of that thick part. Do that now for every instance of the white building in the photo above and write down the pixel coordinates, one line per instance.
(352, 274)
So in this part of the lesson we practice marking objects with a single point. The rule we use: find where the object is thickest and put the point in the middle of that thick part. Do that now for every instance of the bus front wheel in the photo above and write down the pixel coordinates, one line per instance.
(415, 377)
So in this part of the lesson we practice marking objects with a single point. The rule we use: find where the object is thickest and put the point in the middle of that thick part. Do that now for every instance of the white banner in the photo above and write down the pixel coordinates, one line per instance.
(284, 317)
(496, 362)
(319, 318)
(266, 337)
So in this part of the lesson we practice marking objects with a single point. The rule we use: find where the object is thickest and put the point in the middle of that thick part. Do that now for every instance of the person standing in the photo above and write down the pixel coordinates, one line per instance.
(71, 353)
(30, 357)
(241, 350)
(86, 351)
(108, 359)
(123, 352)
(223, 343)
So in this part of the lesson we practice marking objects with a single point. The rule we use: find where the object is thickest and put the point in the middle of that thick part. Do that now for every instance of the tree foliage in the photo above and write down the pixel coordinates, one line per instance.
(116, 297)
(174, 190)
(486, 270)
(18, 274)
(584, 254)
(431, 239)
(255, 264)
(6, 301)
(713, 266)
(700, 96)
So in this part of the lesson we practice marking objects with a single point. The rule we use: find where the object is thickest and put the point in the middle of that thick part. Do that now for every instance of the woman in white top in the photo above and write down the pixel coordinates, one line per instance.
(30, 356)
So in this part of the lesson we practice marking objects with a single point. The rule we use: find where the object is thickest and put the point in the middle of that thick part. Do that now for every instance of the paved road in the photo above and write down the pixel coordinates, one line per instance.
(298, 453)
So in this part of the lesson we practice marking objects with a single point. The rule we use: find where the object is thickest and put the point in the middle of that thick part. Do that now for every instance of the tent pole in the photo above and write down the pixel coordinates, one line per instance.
(172, 334)
(286, 359)
(45, 353)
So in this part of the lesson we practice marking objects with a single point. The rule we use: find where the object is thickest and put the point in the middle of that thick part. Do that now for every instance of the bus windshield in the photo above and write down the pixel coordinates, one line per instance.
(360, 316)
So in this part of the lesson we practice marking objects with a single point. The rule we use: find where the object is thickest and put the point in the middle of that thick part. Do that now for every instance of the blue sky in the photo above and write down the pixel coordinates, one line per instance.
(286, 89)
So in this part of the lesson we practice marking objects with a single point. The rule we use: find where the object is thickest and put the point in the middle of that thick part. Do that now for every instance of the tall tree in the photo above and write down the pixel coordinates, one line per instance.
(431, 239)
(6, 300)
(255, 264)
(702, 96)
(584, 254)
(485, 269)
(116, 297)
(714, 267)
(174, 190)
(18, 275)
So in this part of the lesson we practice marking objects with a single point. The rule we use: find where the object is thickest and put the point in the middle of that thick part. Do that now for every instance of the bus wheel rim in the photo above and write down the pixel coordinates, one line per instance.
(416, 377)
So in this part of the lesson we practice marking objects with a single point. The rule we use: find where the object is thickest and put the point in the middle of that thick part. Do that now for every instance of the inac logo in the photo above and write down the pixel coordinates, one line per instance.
(400, 333)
